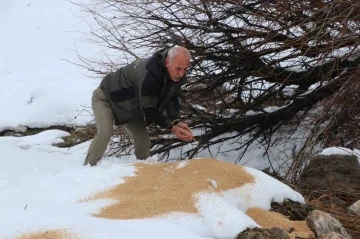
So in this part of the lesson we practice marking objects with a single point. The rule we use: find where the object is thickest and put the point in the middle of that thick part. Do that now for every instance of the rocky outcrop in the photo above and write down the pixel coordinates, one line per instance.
(323, 224)
(355, 208)
(335, 173)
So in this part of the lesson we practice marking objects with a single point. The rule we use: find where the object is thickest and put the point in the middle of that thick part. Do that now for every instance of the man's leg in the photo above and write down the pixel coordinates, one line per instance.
(139, 136)
(104, 119)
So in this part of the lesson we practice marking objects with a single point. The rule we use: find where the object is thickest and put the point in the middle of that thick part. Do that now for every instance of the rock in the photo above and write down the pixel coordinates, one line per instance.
(332, 235)
(355, 208)
(335, 173)
(323, 223)
(259, 233)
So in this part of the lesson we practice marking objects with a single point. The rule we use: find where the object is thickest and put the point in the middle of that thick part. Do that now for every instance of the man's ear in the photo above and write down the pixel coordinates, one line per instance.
(167, 62)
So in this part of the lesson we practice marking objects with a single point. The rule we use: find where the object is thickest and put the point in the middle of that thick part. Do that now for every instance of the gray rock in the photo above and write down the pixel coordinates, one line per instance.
(335, 173)
(355, 208)
(323, 223)
(332, 235)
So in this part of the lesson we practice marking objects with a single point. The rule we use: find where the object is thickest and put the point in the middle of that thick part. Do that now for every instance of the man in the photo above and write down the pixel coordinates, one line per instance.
(135, 96)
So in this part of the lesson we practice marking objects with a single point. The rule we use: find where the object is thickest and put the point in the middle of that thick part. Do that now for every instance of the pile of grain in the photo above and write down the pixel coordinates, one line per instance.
(268, 219)
(164, 188)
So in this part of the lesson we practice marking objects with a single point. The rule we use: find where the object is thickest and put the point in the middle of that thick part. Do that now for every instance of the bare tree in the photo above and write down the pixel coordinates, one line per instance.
(248, 56)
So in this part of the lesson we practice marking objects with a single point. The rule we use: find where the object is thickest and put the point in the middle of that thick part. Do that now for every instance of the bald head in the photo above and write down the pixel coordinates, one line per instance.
(178, 51)
(177, 62)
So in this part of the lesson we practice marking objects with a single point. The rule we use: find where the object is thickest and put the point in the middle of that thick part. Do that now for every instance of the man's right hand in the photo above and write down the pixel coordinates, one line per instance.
(181, 133)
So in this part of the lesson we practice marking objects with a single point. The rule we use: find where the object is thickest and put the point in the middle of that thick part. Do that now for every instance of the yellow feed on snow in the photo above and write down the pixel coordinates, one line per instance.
(48, 234)
(267, 219)
(163, 188)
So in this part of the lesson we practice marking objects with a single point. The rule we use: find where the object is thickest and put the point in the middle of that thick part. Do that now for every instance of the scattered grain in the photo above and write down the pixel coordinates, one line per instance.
(48, 234)
(164, 188)
(268, 219)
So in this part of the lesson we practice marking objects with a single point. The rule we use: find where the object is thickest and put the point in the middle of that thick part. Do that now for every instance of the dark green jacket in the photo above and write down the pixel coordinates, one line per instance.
(143, 89)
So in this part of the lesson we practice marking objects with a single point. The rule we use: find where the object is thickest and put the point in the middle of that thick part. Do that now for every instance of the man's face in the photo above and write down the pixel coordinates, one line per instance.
(177, 67)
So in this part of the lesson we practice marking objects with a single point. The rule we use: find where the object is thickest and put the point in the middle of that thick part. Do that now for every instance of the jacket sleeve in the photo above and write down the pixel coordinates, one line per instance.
(150, 91)
(173, 108)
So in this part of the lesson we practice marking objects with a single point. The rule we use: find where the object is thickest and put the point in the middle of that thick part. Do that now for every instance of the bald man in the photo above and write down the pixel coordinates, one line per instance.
(137, 95)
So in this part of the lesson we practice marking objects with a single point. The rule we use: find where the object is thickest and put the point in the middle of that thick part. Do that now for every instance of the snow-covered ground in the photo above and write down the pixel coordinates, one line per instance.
(38, 87)
(41, 186)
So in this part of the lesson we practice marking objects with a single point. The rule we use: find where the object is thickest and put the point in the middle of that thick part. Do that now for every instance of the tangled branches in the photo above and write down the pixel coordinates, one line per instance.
(255, 64)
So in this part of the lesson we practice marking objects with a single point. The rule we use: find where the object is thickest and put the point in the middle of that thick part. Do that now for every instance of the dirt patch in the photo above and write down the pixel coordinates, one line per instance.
(32, 131)
(164, 188)
(260, 233)
(293, 210)
(78, 136)
(48, 234)
(269, 220)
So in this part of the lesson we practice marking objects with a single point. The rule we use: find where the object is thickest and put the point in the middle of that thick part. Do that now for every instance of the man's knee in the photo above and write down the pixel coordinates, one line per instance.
(105, 133)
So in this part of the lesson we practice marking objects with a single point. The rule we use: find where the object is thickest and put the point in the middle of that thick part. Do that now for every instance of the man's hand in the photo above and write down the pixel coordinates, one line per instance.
(183, 126)
(182, 133)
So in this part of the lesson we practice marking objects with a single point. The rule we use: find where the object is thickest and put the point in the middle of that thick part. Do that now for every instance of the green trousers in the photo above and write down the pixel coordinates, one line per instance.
(104, 119)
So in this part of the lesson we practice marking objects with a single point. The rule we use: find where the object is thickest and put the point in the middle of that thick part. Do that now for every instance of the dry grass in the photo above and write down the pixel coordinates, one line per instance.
(337, 206)
(78, 136)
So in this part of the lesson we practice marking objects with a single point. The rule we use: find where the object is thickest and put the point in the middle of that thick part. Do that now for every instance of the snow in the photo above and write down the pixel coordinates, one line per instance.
(35, 40)
(199, 107)
(337, 150)
(341, 151)
(48, 137)
(41, 186)
(42, 189)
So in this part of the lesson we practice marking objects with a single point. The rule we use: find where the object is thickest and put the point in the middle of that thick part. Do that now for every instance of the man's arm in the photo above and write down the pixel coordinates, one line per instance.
(173, 108)
(173, 113)
(150, 91)
(154, 115)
